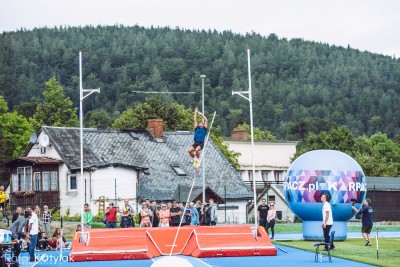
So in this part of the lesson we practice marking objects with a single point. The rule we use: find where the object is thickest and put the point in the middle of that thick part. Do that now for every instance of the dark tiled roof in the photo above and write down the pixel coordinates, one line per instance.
(140, 150)
(386, 183)
(35, 160)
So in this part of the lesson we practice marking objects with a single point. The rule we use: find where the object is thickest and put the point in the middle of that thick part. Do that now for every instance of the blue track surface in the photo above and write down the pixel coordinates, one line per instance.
(292, 257)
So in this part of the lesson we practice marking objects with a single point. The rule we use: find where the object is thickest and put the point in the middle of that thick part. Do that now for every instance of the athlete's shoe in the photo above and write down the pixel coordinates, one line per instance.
(194, 162)
(197, 163)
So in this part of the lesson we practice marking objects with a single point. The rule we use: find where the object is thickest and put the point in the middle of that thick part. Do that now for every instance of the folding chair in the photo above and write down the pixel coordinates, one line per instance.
(331, 238)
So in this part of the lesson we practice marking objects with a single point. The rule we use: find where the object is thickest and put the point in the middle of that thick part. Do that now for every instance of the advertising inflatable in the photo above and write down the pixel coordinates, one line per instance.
(324, 171)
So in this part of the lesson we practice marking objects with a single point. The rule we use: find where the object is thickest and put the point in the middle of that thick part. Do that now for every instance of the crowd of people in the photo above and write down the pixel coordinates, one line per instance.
(164, 214)
(31, 229)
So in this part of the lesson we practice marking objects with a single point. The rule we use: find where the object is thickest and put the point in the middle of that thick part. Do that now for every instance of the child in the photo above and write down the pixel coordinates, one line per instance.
(61, 242)
(43, 242)
(25, 244)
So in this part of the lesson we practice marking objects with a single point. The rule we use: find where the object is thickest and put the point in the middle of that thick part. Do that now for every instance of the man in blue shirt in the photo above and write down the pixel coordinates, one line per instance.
(367, 222)
(200, 133)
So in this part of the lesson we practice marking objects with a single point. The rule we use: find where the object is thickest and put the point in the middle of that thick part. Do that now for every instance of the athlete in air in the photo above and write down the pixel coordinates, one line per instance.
(200, 133)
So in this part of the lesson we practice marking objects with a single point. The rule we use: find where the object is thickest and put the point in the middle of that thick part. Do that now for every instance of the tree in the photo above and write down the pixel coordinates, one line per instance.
(258, 134)
(98, 118)
(14, 132)
(230, 155)
(175, 116)
(56, 110)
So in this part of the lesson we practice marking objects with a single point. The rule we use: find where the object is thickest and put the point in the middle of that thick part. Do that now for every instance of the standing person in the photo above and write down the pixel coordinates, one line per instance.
(87, 216)
(3, 198)
(327, 219)
(367, 222)
(156, 215)
(111, 216)
(15, 215)
(126, 215)
(192, 214)
(17, 229)
(200, 133)
(262, 213)
(175, 213)
(271, 219)
(165, 215)
(212, 209)
(151, 208)
(33, 232)
(46, 219)
(145, 214)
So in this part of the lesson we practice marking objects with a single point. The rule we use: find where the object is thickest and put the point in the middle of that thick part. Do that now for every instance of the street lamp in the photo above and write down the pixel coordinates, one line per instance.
(249, 98)
(81, 98)
(203, 158)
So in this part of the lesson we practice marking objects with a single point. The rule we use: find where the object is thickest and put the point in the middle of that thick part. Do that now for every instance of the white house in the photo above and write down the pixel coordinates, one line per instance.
(271, 161)
(118, 165)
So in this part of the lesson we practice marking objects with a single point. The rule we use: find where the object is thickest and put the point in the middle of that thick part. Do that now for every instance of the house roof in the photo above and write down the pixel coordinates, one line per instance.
(140, 150)
(34, 160)
(383, 183)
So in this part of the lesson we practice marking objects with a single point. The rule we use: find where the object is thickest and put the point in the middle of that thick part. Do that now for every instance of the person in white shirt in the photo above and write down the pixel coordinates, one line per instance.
(33, 232)
(327, 219)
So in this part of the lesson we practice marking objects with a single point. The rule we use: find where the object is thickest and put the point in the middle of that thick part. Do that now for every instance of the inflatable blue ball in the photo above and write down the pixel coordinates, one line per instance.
(324, 171)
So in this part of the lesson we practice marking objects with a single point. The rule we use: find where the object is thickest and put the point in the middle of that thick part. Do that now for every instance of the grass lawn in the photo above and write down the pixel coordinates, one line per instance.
(354, 249)
(297, 228)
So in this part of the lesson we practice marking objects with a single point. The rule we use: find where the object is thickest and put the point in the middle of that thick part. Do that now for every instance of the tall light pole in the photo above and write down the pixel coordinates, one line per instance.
(81, 98)
(249, 98)
(203, 158)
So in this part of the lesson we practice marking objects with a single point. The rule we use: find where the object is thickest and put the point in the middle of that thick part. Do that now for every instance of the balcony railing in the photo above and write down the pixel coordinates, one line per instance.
(261, 185)
(49, 198)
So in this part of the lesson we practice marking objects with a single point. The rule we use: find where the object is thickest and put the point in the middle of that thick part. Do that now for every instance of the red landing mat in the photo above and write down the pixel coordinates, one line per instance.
(146, 243)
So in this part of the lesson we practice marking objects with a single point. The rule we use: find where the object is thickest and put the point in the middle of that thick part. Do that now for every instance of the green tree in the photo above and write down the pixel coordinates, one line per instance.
(258, 134)
(175, 116)
(98, 118)
(14, 132)
(230, 155)
(56, 110)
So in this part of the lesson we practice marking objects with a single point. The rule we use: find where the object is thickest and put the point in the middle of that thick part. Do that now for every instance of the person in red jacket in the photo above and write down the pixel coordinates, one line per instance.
(111, 216)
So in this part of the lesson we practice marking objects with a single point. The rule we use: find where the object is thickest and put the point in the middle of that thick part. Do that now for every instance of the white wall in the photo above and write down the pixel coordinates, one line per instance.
(233, 216)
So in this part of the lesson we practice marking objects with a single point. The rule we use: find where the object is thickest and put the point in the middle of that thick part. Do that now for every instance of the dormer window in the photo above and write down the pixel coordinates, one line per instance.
(178, 170)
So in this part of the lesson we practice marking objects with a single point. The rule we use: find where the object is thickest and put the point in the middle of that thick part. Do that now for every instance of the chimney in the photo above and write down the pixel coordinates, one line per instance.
(239, 135)
(156, 127)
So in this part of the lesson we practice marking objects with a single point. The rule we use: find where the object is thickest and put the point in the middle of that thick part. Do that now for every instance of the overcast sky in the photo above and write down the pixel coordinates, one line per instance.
(372, 25)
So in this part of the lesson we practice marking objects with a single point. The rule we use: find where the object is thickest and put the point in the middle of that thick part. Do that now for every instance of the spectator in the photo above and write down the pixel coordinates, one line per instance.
(87, 216)
(17, 229)
(156, 216)
(111, 216)
(57, 235)
(78, 228)
(33, 233)
(169, 205)
(52, 243)
(164, 215)
(151, 208)
(61, 242)
(198, 207)
(262, 213)
(145, 214)
(191, 214)
(175, 213)
(15, 215)
(46, 219)
(212, 209)
(126, 215)
(43, 242)
(271, 219)
(204, 215)
(3, 198)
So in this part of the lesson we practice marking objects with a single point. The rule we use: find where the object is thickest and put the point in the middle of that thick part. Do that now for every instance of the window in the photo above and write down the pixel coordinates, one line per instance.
(53, 181)
(264, 176)
(250, 175)
(24, 178)
(278, 175)
(36, 180)
(271, 199)
(14, 181)
(72, 182)
(46, 181)
(178, 170)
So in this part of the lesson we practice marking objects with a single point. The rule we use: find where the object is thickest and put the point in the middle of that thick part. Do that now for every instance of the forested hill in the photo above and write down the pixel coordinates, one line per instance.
(294, 81)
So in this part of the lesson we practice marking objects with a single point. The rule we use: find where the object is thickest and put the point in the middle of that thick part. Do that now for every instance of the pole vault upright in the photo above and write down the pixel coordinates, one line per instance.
(81, 98)
(249, 98)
